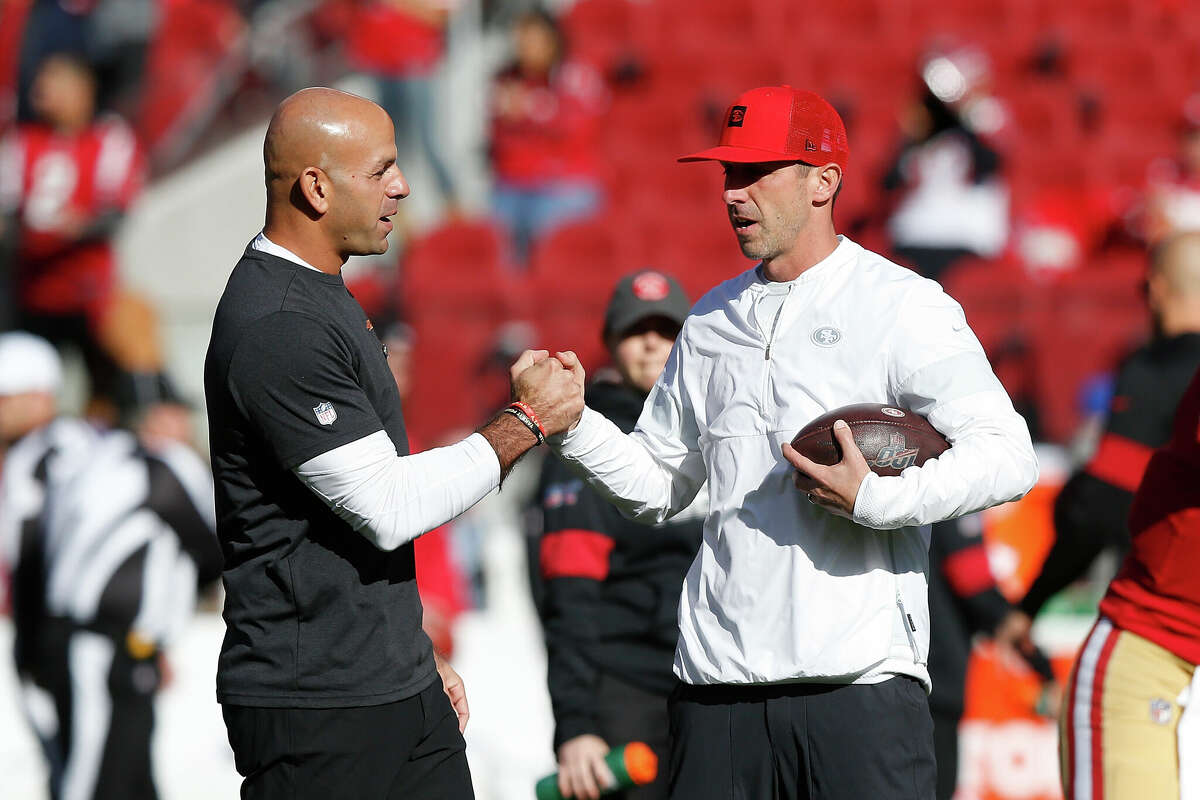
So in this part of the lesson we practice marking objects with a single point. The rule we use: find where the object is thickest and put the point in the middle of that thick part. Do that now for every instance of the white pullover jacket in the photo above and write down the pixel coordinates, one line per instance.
(782, 590)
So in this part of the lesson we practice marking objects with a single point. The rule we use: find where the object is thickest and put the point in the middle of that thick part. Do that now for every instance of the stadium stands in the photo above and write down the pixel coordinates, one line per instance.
(1092, 90)
(1087, 122)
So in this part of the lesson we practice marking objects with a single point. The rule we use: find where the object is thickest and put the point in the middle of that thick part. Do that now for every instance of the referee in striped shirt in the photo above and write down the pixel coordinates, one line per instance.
(107, 541)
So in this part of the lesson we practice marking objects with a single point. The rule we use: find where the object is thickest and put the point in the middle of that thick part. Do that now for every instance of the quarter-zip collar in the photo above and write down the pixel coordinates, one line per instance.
(773, 302)
(841, 254)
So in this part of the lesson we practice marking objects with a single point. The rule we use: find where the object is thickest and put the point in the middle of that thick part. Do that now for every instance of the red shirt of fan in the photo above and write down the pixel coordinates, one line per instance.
(1156, 593)
(385, 40)
(57, 187)
(547, 129)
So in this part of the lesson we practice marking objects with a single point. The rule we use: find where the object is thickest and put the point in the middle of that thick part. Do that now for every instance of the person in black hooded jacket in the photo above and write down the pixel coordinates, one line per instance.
(610, 586)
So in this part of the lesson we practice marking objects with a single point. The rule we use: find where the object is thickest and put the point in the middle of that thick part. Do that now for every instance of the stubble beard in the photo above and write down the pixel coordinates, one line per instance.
(759, 248)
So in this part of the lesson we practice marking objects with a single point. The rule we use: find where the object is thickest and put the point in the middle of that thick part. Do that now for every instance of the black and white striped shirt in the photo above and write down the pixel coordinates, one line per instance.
(105, 533)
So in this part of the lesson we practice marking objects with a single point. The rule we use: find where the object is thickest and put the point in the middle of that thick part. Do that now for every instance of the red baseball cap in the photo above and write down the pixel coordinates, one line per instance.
(779, 123)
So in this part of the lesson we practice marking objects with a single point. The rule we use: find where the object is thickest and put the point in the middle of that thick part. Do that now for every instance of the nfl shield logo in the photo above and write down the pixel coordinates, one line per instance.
(325, 412)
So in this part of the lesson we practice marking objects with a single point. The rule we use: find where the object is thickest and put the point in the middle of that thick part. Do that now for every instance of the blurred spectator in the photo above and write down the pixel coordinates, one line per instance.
(400, 43)
(67, 180)
(950, 199)
(36, 446)
(108, 541)
(1061, 228)
(113, 35)
(545, 125)
(440, 581)
(1173, 197)
(1091, 511)
(611, 586)
(963, 602)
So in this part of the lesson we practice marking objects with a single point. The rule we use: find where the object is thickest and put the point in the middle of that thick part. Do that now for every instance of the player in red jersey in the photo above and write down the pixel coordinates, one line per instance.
(66, 180)
(1129, 726)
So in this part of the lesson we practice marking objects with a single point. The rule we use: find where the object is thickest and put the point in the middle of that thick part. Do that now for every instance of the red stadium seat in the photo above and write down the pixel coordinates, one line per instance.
(996, 297)
(449, 352)
(577, 258)
(572, 275)
(600, 31)
(1085, 325)
(463, 264)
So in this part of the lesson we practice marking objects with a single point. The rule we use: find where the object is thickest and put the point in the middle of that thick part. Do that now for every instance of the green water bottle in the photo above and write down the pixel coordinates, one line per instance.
(633, 764)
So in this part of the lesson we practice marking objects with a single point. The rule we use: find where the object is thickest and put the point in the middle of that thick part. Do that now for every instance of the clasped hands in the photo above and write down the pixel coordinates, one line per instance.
(552, 385)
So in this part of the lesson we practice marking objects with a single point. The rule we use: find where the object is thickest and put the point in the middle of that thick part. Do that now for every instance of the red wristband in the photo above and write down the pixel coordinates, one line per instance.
(527, 411)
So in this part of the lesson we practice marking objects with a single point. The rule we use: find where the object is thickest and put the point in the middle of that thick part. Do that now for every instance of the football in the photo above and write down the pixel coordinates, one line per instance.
(890, 438)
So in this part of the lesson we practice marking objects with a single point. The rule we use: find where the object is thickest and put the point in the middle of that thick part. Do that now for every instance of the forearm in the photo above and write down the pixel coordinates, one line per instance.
(391, 499)
(1086, 512)
(624, 472)
(986, 609)
(509, 438)
(991, 461)
(1064, 564)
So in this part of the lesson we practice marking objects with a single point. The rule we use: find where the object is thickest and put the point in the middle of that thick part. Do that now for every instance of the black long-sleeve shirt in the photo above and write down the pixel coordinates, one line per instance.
(611, 585)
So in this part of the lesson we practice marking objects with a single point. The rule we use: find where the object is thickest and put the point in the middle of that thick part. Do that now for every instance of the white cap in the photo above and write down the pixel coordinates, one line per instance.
(28, 363)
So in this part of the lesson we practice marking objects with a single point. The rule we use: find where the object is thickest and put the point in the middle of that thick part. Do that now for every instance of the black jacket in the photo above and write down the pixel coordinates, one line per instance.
(963, 601)
(611, 585)
(1092, 510)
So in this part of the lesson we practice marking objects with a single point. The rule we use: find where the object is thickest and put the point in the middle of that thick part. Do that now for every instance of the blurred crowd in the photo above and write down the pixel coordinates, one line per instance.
(1022, 166)
(1030, 159)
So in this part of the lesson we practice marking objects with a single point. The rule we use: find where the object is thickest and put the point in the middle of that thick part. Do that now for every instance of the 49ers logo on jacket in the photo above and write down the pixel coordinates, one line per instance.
(896, 454)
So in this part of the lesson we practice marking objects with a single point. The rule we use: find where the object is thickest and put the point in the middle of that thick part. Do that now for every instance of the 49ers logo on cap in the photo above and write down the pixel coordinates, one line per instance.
(650, 287)
(737, 115)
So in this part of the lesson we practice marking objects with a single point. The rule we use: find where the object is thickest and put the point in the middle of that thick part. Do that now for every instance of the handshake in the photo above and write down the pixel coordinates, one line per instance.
(551, 386)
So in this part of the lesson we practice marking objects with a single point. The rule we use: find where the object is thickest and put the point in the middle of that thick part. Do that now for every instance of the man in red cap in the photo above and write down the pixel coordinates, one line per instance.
(803, 620)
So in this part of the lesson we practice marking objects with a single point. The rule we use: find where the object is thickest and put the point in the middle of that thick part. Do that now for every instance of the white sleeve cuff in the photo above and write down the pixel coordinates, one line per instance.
(582, 437)
(870, 506)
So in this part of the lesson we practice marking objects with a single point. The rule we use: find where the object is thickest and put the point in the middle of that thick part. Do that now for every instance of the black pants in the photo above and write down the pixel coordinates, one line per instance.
(629, 714)
(98, 743)
(409, 749)
(802, 742)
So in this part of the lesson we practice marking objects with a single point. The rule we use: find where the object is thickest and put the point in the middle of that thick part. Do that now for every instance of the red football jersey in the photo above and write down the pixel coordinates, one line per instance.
(1156, 593)
(57, 186)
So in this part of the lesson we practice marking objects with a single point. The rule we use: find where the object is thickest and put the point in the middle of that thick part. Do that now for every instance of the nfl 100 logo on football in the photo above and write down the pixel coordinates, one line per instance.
(326, 413)
(896, 453)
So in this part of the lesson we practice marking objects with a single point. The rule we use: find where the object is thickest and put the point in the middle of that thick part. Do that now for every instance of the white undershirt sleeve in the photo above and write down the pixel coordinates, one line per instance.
(393, 499)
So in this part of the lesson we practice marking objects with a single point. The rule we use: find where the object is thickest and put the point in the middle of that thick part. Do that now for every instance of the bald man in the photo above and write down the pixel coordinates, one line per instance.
(1091, 512)
(329, 687)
